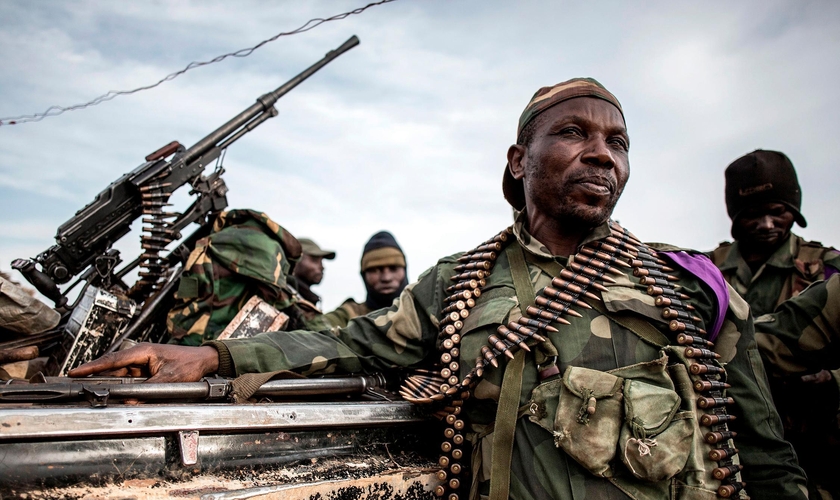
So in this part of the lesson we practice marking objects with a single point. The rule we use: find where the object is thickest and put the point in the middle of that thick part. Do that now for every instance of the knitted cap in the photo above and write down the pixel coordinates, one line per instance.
(382, 249)
(762, 177)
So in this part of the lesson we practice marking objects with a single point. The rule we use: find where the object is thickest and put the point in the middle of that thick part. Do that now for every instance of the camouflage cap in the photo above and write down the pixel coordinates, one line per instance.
(543, 99)
(762, 177)
(311, 248)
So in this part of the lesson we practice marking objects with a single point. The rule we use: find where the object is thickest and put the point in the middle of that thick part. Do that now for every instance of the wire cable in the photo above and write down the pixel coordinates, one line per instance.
(57, 110)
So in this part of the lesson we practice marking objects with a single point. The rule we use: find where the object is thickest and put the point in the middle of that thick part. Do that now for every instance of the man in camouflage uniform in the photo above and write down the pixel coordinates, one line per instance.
(246, 254)
(309, 270)
(383, 270)
(564, 175)
(768, 264)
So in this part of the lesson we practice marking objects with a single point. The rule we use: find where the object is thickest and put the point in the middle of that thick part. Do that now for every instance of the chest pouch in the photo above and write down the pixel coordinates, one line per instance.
(583, 411)
(632, 411)
(655, 440)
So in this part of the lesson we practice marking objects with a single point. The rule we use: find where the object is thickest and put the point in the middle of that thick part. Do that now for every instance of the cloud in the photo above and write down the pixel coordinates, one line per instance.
(408, 132)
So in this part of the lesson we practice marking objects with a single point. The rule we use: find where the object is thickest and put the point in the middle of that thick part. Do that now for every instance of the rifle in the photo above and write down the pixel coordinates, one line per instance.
(99, 391)
(84, 243)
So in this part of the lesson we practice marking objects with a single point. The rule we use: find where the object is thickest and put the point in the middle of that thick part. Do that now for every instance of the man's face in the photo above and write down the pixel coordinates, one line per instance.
(385, 279)
(763, 226)
(576, 165)
(310, 269)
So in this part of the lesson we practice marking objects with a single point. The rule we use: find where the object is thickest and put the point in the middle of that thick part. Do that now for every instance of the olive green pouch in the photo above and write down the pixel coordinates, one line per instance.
(588, 415)
(656, 438)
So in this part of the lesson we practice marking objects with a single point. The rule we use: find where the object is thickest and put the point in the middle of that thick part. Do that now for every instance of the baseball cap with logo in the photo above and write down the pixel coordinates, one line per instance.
(762, 177)
(309, 247)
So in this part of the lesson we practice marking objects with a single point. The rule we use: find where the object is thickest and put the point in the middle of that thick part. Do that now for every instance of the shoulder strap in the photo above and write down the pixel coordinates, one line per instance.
(508, 407)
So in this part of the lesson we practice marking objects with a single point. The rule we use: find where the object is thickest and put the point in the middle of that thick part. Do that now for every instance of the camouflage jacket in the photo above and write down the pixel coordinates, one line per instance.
(348, 310)
(246, 254)
(405, 335)
(803, 334)
(794, 266)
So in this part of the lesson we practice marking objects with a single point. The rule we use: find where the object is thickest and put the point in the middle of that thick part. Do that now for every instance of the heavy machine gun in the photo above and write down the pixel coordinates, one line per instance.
(84, 244)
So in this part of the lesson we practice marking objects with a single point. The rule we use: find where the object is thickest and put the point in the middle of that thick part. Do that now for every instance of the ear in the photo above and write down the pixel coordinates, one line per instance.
(516, 161)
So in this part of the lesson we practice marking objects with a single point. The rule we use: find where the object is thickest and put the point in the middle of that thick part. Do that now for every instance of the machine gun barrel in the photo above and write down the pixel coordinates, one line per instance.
(100, 390)
(263, 104)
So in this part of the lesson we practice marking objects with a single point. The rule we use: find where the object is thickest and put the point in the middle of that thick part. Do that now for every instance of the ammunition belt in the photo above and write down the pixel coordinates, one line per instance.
(156, 236)
(587, 270)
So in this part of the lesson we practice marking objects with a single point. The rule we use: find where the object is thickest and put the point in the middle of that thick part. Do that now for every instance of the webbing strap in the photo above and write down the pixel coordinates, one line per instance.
(521, 277)
(505, 428)
(508, 407)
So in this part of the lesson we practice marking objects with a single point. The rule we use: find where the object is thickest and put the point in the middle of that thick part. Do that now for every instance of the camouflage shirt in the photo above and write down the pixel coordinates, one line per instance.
(794, 266)
(348, 310)
(803, 334)
(405, 335)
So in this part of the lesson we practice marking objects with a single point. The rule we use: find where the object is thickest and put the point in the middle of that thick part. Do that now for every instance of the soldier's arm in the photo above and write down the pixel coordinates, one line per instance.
(803, 334)
(399, 336)
(770, 467)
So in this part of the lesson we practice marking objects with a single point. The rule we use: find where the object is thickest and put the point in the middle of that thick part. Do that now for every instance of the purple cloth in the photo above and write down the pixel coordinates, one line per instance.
(700, 266)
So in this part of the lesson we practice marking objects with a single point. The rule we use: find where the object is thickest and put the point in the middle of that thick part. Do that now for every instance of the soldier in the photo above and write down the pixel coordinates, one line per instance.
(546, 352)
(310, 269)
(768, 264)
(383, 270)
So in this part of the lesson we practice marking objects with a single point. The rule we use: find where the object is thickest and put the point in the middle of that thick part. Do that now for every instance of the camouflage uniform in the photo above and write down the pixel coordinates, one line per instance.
(809, 411)
(405, 335)
(246, 254)
(795, 265)
(803, 334)
(348, 310)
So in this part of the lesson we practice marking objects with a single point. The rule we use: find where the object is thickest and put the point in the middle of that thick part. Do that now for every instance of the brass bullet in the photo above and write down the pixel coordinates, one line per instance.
(560, 307)
(686, 339)
(606, 247)
(730, 490)
(583, 280)
(489, 356)
(714, 402)
(710, 419)
(700, 353)
(679, 326)
(727, 470)
(591, 272)
(481, 265)
(722, 453)
(488, 247)
(717, 437)
(536, 324)
(565, 297)
(701, 368)
(574, 288)
(709, 385)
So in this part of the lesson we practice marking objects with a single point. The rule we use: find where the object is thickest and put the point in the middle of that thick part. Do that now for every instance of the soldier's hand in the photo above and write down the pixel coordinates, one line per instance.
(160, 362)
(820, 377)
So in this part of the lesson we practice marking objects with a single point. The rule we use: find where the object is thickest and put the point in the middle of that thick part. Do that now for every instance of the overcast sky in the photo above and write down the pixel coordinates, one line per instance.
(408, 131)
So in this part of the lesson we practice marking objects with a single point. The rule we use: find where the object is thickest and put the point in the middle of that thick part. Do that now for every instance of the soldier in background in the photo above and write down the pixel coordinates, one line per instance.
(383, 270)
(768, 264)
(310, 269)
